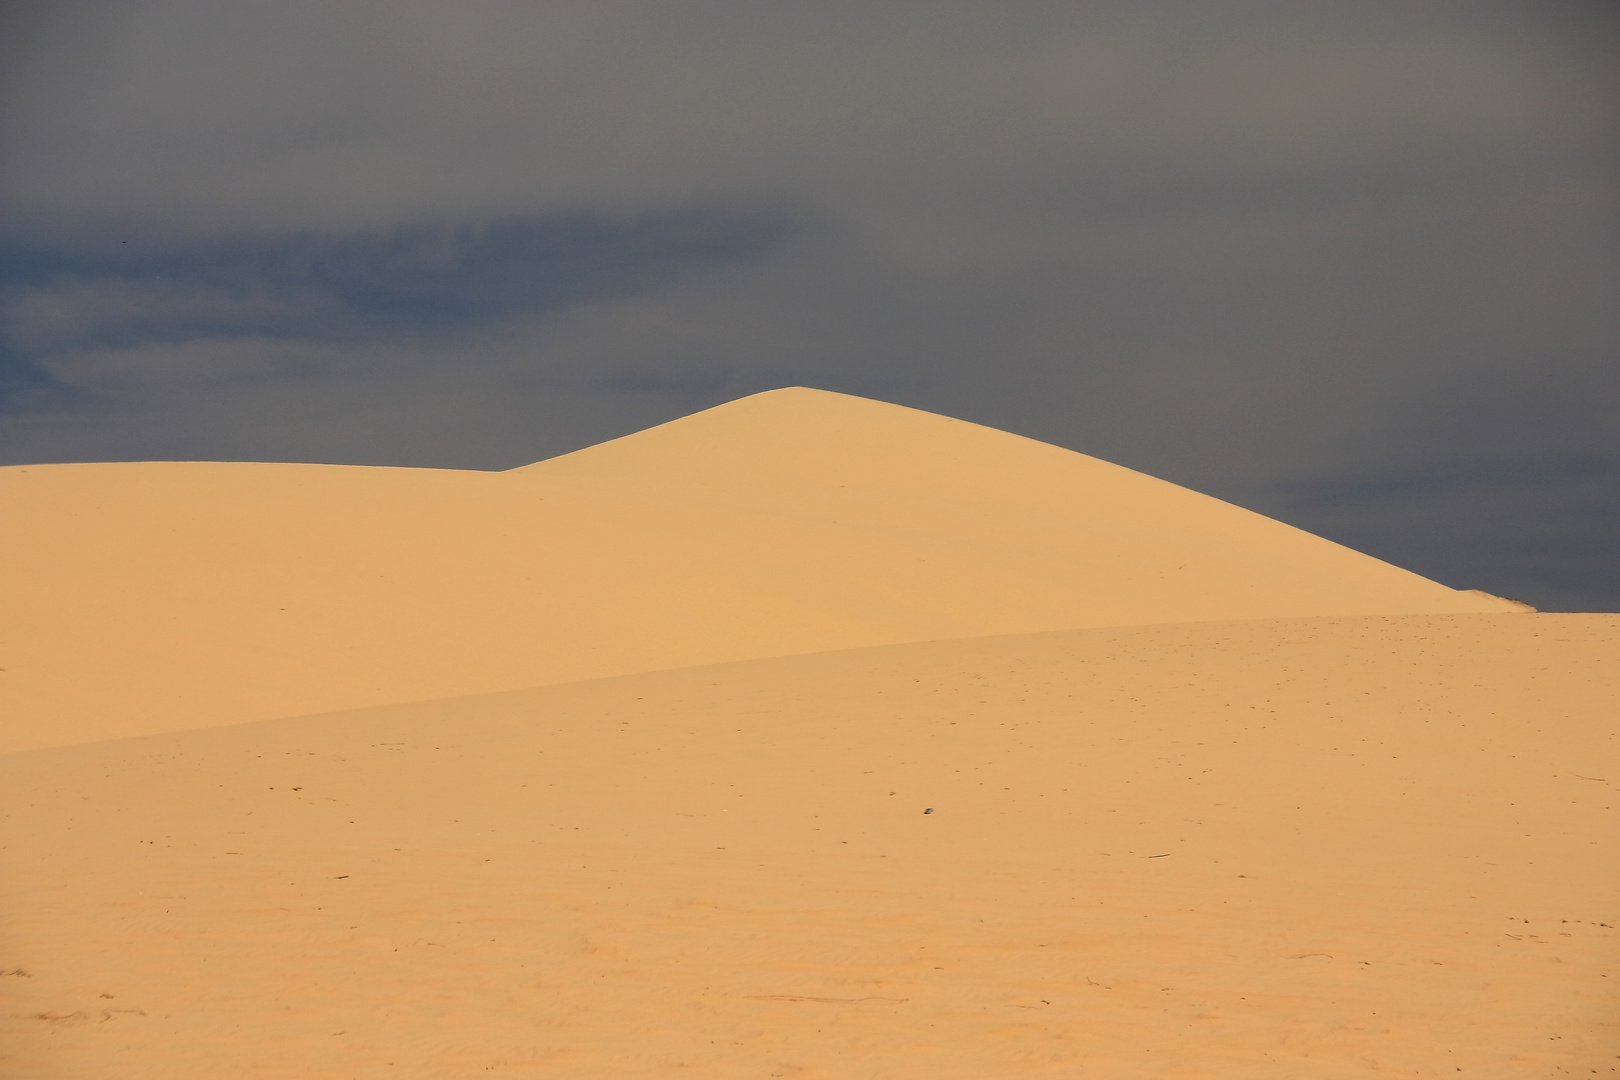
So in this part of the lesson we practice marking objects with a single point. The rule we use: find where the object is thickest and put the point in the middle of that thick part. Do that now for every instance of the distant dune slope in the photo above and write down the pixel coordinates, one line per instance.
(1236, 851)
(160, 596)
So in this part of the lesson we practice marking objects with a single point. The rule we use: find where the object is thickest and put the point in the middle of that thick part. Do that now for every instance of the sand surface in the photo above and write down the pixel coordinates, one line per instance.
(1288, 848)
(830, 739)
(159, 596)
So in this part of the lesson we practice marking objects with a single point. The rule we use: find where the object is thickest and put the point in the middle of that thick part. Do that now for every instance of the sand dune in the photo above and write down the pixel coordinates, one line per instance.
(1315, 847)
(833, 739)
(161, 596)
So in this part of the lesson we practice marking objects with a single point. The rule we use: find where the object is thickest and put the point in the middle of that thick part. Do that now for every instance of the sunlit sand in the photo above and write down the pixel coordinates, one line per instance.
(807, 736)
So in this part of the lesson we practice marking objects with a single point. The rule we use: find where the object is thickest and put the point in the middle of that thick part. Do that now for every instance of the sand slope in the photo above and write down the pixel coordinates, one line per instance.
(1294, 848)
(160, 596)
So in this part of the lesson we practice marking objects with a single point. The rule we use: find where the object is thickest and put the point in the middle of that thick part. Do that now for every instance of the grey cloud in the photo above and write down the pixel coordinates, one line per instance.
(1544, 531)
(299, 114)
(25, 387)
(325, 286)
(1463, 477)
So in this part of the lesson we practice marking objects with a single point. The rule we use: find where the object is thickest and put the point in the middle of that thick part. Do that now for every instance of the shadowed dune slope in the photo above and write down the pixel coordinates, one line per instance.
(161, 596)
(1265, 849)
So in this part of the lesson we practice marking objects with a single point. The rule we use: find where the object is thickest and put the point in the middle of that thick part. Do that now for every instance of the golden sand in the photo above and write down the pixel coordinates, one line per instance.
(1210, 797)
(158, 596)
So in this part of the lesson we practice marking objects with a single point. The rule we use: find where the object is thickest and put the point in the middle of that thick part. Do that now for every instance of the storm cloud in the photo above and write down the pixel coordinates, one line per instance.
(1353, 266)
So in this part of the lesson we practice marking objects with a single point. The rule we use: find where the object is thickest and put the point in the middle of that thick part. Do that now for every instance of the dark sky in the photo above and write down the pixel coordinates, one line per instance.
(1353, 265)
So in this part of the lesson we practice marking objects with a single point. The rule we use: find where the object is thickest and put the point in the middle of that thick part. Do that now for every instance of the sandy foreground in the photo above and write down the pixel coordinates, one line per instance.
(1244, 840)
(1290, 848)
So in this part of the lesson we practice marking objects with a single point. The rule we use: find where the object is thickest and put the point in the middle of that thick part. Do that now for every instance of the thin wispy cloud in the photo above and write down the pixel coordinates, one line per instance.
(409, 280)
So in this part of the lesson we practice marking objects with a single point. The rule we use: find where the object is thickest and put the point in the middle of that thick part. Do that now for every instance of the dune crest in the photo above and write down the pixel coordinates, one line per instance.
(158, 596)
